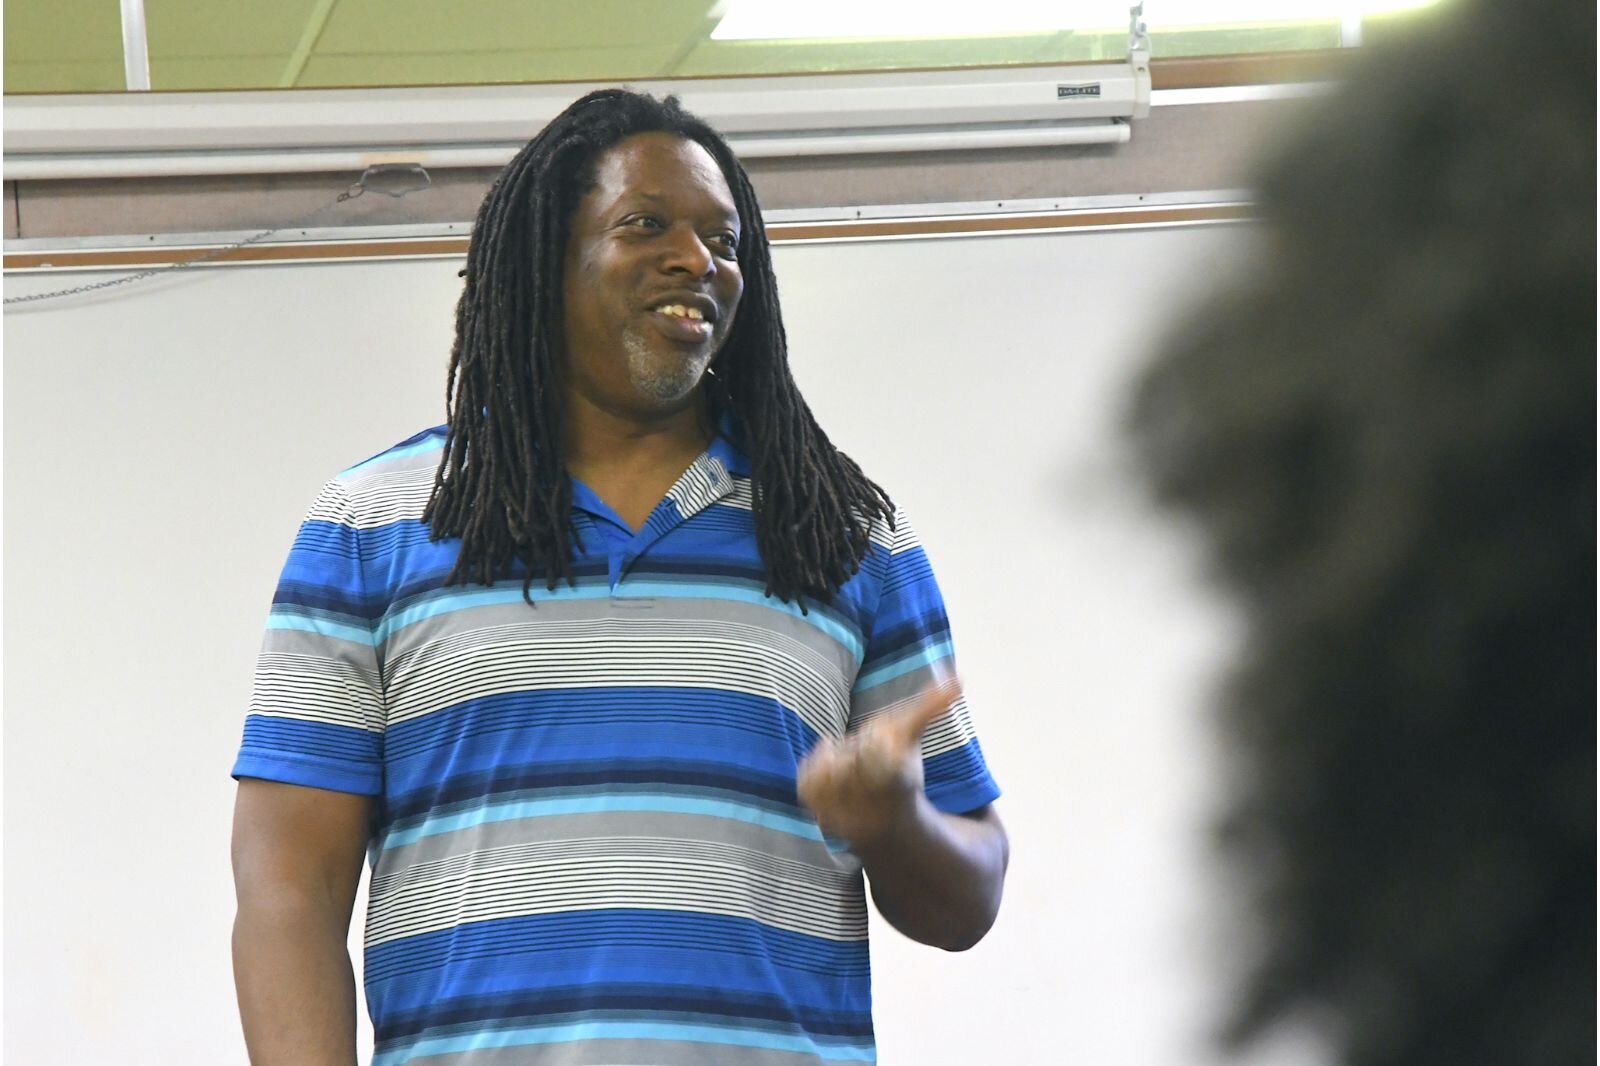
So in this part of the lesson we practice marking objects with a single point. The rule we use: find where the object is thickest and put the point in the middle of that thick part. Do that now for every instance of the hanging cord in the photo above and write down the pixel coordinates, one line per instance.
(362, 185)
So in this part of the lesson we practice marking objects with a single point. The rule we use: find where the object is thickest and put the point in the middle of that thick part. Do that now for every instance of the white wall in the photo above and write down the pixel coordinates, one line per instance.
(162, 442)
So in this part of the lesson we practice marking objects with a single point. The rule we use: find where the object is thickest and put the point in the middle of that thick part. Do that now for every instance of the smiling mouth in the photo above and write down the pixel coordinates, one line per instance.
(681, 323)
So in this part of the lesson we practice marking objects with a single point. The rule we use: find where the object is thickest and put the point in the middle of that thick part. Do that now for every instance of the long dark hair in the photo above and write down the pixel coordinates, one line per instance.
(502, 484)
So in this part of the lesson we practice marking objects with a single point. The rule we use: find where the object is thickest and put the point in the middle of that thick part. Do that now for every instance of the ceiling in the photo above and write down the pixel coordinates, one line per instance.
(76, 45)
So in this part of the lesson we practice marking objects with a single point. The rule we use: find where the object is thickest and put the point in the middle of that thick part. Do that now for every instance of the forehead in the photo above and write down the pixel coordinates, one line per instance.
(659, 166)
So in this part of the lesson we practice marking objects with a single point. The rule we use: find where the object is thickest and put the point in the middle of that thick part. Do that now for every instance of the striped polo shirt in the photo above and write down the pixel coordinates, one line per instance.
(587, 845)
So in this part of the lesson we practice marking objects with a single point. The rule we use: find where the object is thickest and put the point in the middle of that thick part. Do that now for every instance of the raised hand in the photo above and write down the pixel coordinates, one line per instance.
(861, 785)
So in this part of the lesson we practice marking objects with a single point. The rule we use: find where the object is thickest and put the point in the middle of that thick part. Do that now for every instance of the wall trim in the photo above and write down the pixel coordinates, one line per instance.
(451, 240)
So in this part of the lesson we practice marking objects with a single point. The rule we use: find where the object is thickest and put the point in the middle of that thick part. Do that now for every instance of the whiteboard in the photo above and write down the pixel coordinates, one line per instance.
(163, 440)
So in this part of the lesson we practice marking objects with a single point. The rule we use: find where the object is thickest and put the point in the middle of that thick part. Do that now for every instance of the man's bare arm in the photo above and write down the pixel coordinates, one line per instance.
(296, 863)
(936, 877)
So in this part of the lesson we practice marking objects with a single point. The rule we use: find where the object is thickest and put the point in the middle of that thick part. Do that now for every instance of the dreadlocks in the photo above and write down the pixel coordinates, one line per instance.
(502, 484)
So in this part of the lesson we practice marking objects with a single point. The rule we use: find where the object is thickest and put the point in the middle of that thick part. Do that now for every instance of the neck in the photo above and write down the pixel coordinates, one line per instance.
(605, 441)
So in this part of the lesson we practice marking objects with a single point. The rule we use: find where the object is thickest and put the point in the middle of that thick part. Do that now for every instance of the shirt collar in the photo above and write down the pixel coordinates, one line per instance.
(724, 448)
(708, 479)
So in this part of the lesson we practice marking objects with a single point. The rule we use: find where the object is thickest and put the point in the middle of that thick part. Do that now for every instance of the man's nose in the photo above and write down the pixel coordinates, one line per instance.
(688, 254)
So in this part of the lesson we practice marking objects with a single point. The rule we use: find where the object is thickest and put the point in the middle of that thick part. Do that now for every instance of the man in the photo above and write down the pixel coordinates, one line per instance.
(625, 676)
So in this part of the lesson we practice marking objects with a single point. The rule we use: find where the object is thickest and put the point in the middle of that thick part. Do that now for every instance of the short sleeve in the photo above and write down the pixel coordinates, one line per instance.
(908, 647)
(316, 713)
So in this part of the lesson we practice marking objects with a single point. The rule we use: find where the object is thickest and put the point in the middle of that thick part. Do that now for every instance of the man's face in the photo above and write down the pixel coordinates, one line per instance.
(651, 279)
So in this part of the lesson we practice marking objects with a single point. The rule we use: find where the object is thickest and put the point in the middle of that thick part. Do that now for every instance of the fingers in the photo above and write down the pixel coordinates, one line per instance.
(908, 723)
(857, 786)
(825, 782)
(884, 740)
(817, 759)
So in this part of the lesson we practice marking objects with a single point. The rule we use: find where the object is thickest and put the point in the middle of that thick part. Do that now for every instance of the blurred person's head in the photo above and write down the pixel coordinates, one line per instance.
(1386, 434)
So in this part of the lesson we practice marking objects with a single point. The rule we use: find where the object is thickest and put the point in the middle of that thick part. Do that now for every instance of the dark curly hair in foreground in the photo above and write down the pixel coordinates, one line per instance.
(502, 484)
(1387, 436)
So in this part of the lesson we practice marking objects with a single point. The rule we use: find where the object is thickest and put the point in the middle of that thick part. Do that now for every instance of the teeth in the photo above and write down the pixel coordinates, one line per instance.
(680, 311)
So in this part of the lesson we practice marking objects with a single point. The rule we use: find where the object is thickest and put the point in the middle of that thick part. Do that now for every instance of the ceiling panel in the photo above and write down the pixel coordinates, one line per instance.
(93, 76)
(402, 27)
(76, 45)
(568, 64)
(1228, 40)
(217, 29)
(763, 57)
(63, 31)
(227, 72)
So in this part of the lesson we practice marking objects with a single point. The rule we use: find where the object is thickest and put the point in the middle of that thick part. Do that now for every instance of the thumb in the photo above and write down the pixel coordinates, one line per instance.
(909, 722)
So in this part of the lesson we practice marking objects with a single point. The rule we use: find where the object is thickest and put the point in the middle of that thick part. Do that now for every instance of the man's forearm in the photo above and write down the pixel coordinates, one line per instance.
(937, 877)
(295, 982)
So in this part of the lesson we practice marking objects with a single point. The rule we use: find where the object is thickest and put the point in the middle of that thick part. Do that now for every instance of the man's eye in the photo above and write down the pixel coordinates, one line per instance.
(648, 221)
